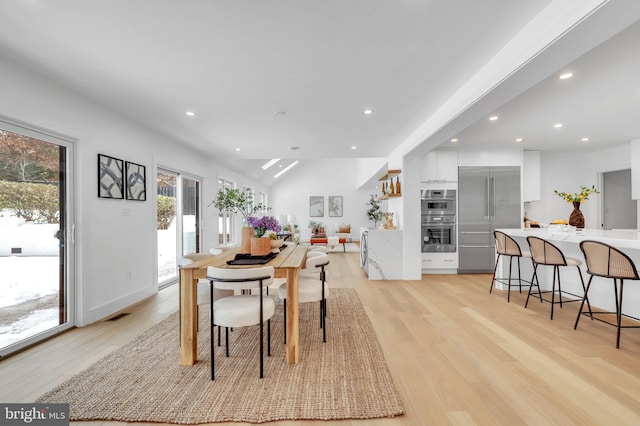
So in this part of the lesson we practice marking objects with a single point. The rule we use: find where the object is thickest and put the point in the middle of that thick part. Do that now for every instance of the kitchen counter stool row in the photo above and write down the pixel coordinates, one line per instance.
(602, 260)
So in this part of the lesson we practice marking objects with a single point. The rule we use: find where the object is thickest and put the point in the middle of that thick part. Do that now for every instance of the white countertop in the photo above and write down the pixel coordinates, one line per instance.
(620, 239)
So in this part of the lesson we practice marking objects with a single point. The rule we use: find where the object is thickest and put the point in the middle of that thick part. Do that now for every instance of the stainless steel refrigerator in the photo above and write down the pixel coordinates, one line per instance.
(489, 198)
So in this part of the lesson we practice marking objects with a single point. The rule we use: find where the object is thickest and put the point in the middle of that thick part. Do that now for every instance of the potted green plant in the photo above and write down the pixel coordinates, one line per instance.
(235, 200)
(316, 227)
(373, 212)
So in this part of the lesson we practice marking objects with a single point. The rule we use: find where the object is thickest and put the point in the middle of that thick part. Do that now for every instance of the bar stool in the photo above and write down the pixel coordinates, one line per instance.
(545, 253)
(608, 262)
(507, 246)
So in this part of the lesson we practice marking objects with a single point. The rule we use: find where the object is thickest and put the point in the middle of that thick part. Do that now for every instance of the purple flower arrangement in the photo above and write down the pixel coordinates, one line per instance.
(262, 225)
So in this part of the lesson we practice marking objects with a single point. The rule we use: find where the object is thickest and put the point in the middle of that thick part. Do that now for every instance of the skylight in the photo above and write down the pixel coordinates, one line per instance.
(283, 171)
(270, 163)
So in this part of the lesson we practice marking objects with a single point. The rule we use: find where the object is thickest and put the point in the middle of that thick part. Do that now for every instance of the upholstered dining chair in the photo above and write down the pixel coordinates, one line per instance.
(203, 284)
(241, 309)
(545, 253)
(508, 247)
(311, 289)
(606, 261)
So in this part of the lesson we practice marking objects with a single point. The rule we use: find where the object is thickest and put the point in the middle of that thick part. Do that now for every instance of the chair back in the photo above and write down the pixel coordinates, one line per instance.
(184, 261)
(240, 279)
(506, 245)
(315, 263)
(314, 253)
(606, 261)
(545, 253)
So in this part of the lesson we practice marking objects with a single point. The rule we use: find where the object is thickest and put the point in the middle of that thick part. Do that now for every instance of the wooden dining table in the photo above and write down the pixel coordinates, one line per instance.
(287, 265)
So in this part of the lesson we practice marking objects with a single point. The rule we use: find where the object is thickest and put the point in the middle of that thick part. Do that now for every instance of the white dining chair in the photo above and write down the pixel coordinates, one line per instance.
(242, 309)
(311, 289)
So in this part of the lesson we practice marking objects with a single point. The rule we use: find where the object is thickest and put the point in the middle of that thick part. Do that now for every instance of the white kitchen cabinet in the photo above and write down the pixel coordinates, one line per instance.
(439, 263)
(381, 253)
(531, 175)
(439, 167)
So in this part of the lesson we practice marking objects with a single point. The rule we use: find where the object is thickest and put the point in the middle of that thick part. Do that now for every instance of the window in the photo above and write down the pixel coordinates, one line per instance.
(261, 198)
(225, 219)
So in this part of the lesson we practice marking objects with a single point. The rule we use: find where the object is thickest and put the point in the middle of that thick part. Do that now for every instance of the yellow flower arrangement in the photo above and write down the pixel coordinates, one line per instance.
(577, 197)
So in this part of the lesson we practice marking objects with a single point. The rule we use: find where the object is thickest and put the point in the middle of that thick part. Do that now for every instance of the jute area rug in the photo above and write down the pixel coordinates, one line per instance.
(344, 378)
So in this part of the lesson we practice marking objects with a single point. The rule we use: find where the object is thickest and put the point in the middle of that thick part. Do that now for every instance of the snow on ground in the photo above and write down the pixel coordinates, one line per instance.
(27, 276)
(20, 284)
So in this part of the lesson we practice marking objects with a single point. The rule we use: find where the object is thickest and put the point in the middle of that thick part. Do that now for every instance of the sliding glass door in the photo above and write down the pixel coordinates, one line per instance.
(178, 202)
(35, 244)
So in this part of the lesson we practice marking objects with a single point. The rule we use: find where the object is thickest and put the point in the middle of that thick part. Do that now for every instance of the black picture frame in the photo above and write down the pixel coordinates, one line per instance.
(136, 183)
(110, 177)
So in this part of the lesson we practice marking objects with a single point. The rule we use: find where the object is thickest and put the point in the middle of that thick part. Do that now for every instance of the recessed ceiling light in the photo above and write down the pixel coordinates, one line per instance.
(519, 140)
(493, 118)
(584, 140)
(283, 171)
(557, 125)
(237, 149)
(565, 76)
(270, 163)
(368, 111)
(454, 140)
(190, 113)
(354, 148)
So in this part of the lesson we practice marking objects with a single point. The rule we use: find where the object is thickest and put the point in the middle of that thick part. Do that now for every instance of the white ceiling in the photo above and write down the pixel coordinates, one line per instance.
(265, 76)
(600, 102)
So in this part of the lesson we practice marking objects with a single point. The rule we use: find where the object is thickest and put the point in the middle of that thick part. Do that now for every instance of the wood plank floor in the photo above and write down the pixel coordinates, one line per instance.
(458, 354)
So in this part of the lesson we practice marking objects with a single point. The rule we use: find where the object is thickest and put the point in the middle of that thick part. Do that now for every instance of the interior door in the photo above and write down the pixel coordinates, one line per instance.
(619, 211)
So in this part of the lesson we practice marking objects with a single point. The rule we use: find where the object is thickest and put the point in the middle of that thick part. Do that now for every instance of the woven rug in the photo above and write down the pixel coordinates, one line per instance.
(344, 378)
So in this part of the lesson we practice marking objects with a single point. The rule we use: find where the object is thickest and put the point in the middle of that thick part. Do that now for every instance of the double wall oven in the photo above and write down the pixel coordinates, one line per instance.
(438, 220)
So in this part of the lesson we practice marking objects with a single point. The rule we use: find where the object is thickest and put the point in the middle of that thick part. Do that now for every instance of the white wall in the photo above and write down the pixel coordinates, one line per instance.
(323, 177)
(115, 239)
(566, 172)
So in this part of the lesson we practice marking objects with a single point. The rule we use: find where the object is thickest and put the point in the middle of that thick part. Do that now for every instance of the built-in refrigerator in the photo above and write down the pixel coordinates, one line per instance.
(489, 198)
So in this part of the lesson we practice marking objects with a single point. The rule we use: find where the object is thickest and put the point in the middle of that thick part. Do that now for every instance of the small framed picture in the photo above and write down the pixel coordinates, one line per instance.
(316, 206)
(110, 177)
(136, 181)
(335, 205)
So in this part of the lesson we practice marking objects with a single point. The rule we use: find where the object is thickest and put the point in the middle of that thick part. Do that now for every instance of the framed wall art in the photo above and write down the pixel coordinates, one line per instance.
(316, 206)
(335, 205)
(136, 181)
(110, 177)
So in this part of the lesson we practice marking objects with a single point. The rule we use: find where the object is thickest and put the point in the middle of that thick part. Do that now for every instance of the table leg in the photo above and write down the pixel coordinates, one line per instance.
(188, 317)
(293, 320)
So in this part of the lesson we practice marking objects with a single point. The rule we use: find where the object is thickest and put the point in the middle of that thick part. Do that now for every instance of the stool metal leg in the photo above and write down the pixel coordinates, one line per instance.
(618, 309)
(575, 326)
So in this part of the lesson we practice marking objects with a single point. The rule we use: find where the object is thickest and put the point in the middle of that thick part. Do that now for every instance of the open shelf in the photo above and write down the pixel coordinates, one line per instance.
(387, 177)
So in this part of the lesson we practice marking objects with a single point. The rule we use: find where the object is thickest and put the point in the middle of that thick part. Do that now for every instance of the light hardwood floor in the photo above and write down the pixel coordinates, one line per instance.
(458, 354)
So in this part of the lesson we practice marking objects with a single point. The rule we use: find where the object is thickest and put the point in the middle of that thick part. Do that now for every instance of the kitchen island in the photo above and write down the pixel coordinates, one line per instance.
(601, 294)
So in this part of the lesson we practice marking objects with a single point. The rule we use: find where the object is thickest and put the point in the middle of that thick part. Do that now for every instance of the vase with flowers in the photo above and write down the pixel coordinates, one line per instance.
(263, 228)
(577, 218)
